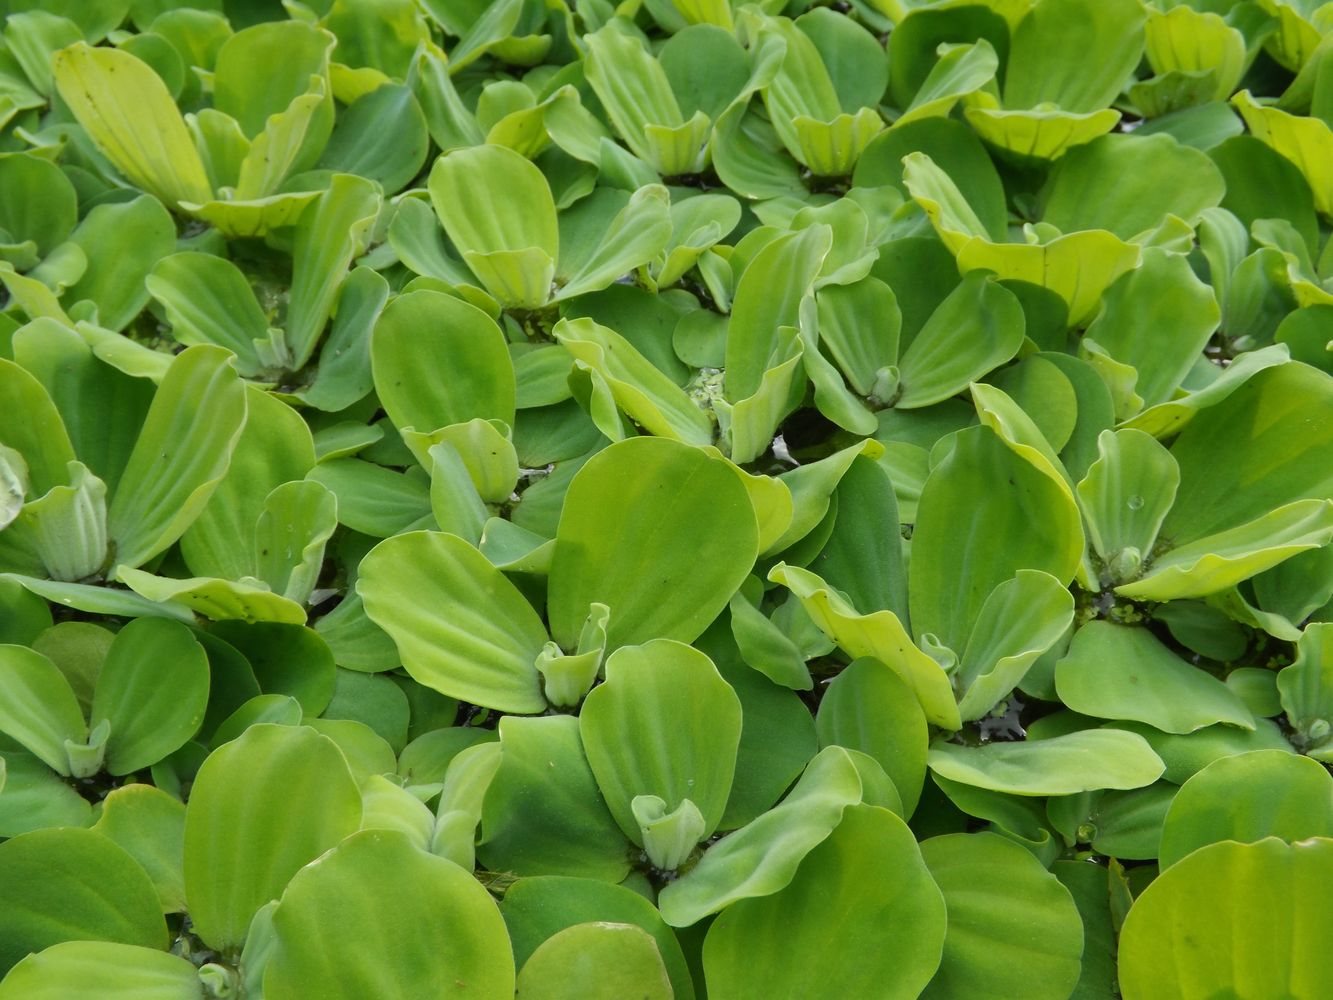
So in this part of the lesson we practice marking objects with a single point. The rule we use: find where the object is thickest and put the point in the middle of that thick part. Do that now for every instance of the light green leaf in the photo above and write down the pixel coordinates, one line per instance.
(596, 961)
(1306, 688)
(261, 808)
(461, 627)
(647, 396)
(536, 909)
(768, 297)
(423, 333)
(977, 328)
(39, 709)
(40, 437)
(1125, 497)
(762, 857)
(462, 186)
(208, 301)
(1061, 765)
(1245, 798)
(1216, 562)
(984, 488)
(1232, 919)
(867, 874)
(73, 885)
(420, 915)
(1048, 58)
(297, 521)
(181, 455)
(636, 236)
(152, 689)
(1013, 928)
(543, 814)
(247, 600)
(1020, 620)
(880, 635)
(662, 501)
(121, 972)
(333, 230)
(868, 708)
(150, 825)
(127, 111)
(275, 447)
(1306, 141)
(1119, 672)
(1115, 183)
(1261, 447)
(686, 722)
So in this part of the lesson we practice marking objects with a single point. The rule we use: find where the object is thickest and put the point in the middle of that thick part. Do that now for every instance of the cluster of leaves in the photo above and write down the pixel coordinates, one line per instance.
(762, 499)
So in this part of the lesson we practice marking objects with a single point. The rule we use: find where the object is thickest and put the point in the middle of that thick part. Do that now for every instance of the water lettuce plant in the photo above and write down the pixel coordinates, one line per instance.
(666, 499)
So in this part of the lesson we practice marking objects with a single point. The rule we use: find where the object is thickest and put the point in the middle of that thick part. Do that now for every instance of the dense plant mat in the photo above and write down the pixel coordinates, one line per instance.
(666, 499)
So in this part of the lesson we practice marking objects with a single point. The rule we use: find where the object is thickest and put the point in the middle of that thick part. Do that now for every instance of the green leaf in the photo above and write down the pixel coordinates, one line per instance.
(543, 814)
(39, 709)
(513, 251)
(596, 960)
(1269, 461)
(260, 70)
(1061, 765)
(763, 856)
(333, 230)
(1162, 295)
(1125, 496)
(1213, 563)
(1013, 928)
(152, 689)
(879, 635)
(220, 600)
(1119, 672)
(127, 111)
(120, 972)
(382, 136)
(422, 333)
(1231, 919)
(181, 455)
(977, 328)
(372, 499)
(297, 521)
(208, 301)
(985, 489)
(647, 396)
(73, 885)
(767, 298)
(1245, 798)
(1048, 58)
(275, 447)
(41, 437)
(122, 244)
(1305, 141)
(35, 798)
(536, 909)
(421, 916)
(675, 501)
(636, 236)
(1020, 620)
(150, 825)
(686, 722)
(261, 808)
(39, 206)
(867, 874)
(1306, 687)
(1116, 183)
(868, 708)
(484, 648)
